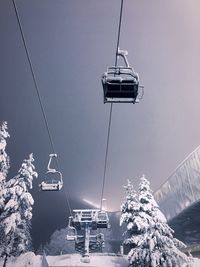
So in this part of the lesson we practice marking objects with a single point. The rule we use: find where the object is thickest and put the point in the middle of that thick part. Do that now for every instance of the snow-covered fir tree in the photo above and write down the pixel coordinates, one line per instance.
(16, 209)
(4, 162)
(148, 235)
(17, 213)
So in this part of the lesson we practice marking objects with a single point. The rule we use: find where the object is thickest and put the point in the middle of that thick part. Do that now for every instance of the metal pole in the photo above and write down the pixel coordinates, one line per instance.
(85, 256)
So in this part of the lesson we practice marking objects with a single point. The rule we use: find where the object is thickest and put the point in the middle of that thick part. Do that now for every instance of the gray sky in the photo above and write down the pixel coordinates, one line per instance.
(71, 43)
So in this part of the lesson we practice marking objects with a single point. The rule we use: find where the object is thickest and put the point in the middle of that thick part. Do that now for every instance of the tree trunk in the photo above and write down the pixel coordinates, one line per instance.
(5, 260)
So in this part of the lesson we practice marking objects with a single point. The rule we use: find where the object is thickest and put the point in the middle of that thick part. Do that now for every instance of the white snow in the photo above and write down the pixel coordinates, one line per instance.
(68, 260)
(10, 223)
(96, 260)
(71, 260)
(12, 203)
(25, 260)
(196, 262)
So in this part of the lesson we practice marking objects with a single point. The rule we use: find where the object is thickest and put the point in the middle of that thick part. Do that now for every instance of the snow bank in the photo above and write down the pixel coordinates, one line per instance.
(71, 260)
(196, 262)
(25, 260)
(96, 260)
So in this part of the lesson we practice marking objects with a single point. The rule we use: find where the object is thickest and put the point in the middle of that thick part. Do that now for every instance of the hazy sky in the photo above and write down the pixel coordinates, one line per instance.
(71, 43)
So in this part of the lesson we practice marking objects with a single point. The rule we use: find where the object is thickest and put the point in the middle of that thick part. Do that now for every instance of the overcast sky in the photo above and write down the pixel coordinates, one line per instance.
(71, 43)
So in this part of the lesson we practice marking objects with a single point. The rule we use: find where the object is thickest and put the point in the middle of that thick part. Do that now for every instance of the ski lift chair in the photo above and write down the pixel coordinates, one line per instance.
(53, 179)
(71, 231)
(103, 220)
(121, 83)
(100, 240)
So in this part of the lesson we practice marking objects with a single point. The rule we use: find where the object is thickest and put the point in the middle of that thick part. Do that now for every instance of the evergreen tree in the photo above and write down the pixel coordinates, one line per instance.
(150, 238)
(15, 202)
(17, 213)
(4, 162)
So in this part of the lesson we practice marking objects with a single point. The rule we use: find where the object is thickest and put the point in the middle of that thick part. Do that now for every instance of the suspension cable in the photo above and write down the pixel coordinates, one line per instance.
(106, 157)
(119, 31)
(111, 108)
(38, 93)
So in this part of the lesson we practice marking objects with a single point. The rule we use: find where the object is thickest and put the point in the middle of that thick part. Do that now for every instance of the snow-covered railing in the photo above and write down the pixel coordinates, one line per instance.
(44, 261)
(182, 188)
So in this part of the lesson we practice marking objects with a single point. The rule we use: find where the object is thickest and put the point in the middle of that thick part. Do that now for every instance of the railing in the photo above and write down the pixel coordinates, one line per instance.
(44, 260)
(182, 188)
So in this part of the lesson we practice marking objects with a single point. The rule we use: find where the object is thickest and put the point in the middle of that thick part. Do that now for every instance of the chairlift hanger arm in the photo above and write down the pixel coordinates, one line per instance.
(123, 54)
(49, 163)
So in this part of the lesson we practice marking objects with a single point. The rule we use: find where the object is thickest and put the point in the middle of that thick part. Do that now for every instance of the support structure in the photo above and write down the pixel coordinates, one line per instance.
(86, 242)
(83, 221)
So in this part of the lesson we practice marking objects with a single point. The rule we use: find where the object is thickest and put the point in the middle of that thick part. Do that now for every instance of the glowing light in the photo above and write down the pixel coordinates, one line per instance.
(96, 205)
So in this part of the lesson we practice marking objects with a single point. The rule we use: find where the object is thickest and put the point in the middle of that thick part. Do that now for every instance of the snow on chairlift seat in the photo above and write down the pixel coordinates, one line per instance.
(53, 180)
(120, 83)
(51, 185)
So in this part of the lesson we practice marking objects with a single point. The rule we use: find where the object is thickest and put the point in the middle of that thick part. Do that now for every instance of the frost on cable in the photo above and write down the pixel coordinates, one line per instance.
(148, 235)
(15, 203)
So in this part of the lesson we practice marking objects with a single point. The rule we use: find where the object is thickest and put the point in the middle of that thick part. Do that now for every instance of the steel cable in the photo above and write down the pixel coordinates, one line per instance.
(111, 108)
(38, 93)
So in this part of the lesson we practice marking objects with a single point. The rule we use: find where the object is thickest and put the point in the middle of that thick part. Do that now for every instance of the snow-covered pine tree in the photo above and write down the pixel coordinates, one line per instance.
(129, 208)
(150, 238)
(4, 162)
(4, 166)
(17, 213)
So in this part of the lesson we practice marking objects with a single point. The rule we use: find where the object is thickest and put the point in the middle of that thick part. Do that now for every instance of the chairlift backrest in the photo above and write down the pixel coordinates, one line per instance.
(49, 163)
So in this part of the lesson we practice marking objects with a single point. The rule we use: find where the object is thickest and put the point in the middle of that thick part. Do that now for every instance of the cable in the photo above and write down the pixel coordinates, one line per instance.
(111, 108)
(106, 157)
(119, 30)
(38, 92)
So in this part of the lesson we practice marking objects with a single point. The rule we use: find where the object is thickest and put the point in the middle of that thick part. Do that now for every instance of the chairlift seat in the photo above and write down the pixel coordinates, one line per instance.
(103, 220)
(53, 179)
(71, 234)
(93, 218)
(51, 185)
(52, 182)
(120, 84)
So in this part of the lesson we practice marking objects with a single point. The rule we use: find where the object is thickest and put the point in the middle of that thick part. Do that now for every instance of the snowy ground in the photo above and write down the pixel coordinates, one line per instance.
(96, 260)
(72, 260)
(25, 260)
(67, 260)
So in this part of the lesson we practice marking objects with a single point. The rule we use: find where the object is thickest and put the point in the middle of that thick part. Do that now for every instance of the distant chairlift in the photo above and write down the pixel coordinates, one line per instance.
(53, 178)
(94, 219)
(121, 83)
(82, 222)
(71, 231)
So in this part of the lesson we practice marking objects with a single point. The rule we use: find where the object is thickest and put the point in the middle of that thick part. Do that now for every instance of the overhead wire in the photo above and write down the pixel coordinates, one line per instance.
(38, 93)
(111, 109)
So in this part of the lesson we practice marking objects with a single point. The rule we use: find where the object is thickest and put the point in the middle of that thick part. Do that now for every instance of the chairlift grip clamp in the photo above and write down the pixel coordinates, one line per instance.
(53, 155)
